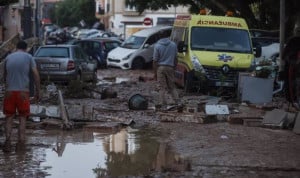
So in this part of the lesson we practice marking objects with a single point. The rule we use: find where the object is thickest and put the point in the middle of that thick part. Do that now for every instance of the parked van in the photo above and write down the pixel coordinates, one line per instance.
(137, 50)
(212, 50)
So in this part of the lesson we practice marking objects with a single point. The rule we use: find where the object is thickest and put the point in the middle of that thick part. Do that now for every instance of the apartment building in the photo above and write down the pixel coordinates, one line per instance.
(125, 20)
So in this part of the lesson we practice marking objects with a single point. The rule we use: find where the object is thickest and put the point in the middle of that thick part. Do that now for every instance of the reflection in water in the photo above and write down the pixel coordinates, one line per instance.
(129, 153)
(77, 153)
(21, 162)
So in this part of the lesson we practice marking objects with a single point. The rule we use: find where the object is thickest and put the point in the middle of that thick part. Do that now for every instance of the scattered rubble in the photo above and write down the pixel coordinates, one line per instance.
(123, 104)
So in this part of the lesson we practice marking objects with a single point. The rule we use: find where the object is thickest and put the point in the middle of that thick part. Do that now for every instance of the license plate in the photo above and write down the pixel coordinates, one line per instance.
(49, 66)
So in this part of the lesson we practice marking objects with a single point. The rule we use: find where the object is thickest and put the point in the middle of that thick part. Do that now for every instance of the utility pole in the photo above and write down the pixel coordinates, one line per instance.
(27, 20)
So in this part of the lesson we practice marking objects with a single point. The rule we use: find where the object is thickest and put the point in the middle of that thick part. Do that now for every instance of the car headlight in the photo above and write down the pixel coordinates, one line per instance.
(127, 57)
(196, 64)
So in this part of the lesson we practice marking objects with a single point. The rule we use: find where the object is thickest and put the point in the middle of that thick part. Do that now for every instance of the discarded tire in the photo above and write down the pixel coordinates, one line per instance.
(138, 102)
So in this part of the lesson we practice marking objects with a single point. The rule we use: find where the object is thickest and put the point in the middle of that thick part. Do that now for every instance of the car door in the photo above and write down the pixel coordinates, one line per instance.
(97, 52)
(86, 67)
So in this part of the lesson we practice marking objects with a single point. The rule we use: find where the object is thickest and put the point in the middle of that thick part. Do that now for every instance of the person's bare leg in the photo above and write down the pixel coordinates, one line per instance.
(20, 147)
(22, 128)
(8, 127)
(8, 131)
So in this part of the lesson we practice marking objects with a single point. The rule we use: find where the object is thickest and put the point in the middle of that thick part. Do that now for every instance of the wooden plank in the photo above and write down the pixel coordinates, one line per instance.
(63, 112)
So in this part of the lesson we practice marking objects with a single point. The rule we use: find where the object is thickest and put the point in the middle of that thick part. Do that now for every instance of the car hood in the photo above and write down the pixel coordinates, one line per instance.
(120, 53)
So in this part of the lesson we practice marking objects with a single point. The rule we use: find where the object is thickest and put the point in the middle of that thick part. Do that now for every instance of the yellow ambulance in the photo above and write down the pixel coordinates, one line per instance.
(212, 50)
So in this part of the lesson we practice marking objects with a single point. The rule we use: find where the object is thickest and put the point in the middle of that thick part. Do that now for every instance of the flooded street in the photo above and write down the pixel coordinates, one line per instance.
(110, 140)
(85, 153)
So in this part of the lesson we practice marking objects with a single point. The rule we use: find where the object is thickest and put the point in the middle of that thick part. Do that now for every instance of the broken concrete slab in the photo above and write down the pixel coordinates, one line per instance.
(44, 111)
(239, 118)
(296, 128)
(215, 109)
(275, 118)
(200, 118)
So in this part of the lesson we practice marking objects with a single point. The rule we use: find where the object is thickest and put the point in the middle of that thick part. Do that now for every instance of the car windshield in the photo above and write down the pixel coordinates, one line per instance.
(220, 39)
(53, 52)
(133, 42)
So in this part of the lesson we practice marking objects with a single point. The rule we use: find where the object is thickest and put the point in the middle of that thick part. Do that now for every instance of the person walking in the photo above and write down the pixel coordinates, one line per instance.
(291, 73)
(164, 63)
(16, 103)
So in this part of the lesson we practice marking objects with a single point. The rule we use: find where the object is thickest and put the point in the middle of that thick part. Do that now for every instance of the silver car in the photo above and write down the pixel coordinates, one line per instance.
(63, 63)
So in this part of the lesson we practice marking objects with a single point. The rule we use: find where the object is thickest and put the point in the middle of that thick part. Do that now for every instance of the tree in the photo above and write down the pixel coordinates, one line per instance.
(263, 14)
(71, 12)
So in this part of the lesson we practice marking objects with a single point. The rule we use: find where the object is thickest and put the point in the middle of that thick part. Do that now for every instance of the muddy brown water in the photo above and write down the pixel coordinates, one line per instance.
(85, 153)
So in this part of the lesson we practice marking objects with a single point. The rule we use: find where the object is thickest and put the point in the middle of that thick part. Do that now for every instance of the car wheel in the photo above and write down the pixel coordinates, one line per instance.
(138, 63)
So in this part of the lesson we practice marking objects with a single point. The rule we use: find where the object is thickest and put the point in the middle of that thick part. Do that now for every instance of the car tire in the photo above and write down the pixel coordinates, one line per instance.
(138, 63)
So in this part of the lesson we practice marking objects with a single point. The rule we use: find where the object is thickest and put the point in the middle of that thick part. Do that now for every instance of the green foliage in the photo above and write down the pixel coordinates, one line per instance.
(7, 2)
(71, 12)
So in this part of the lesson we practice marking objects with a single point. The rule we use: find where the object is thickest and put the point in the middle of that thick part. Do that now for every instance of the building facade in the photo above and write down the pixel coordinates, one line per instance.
(125, 20)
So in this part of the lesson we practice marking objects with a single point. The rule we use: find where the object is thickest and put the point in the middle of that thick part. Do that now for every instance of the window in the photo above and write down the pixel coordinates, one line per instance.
(133, 42)
(53, 52)
(152, 39)
(130, 8)
(79, 54)
(165, 21)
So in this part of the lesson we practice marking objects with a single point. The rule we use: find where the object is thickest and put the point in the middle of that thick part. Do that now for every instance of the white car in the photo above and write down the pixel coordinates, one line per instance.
(137, 50)
(270, 48)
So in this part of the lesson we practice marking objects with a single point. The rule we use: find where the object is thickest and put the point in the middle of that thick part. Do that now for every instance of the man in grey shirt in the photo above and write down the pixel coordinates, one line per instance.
(17, 68)
(164, 63)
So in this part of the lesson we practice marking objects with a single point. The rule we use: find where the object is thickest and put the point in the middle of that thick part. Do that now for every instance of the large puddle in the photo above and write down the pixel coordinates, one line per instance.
(84, 153)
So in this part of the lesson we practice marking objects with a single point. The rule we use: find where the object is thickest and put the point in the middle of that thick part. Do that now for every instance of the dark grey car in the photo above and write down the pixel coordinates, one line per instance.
(64, 63)
(97, 48)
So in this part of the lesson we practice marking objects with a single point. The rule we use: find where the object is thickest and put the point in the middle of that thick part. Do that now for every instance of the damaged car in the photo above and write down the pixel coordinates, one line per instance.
(63, 63)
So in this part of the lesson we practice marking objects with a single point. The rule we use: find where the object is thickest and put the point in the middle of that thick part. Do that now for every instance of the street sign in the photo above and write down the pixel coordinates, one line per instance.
(147, 21)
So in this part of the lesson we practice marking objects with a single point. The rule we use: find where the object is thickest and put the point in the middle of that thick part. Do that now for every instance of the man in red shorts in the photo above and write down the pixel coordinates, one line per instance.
(18, 66)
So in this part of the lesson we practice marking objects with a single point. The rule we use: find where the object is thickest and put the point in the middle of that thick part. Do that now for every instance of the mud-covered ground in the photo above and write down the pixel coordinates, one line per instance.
(216, 149)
